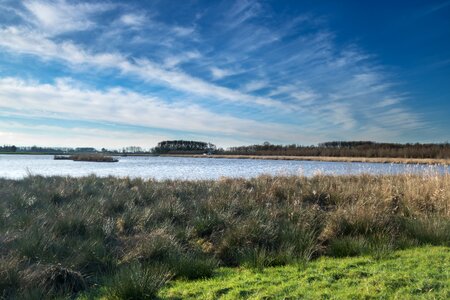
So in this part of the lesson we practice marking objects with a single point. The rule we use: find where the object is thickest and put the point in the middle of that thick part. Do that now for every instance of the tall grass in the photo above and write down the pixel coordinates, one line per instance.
(61, 235)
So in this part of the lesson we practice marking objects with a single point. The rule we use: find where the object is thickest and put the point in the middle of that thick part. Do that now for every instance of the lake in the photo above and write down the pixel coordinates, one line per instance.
(18, 166)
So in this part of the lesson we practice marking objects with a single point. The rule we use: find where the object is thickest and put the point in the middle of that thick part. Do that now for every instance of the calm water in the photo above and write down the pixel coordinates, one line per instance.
(18, 166)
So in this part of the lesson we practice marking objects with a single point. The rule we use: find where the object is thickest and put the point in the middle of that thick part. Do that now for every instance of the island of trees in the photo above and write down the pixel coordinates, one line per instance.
(180, 147)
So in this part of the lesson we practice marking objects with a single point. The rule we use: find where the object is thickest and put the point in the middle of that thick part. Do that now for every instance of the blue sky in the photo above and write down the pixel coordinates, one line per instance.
(114, 74)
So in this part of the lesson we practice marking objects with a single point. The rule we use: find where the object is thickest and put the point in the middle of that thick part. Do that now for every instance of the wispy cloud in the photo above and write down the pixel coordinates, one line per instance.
(133, 20)
(255, 85)
(436, 7)
(55, 17)
(121, 106)
(218, 73)
(174, 60)
(20, 40)
(49, 135)
(237, 64)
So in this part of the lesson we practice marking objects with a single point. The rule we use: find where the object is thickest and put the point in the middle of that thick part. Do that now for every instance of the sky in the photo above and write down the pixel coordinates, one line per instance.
(120, 73)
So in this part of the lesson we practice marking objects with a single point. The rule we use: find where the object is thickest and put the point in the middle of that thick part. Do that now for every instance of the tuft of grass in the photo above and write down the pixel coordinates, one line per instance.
(9, 277)
(192, 266)
(54, 280)
(137, 282)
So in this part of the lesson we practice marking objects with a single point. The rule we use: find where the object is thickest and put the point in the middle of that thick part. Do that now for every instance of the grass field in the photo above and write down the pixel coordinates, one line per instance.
(62, 236)
(422, 273)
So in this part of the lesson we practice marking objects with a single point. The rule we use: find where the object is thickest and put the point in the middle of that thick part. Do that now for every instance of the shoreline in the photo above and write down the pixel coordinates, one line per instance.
(385, 160)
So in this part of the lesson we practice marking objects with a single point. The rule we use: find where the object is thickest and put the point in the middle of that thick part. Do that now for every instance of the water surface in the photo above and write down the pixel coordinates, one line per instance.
(18, 166)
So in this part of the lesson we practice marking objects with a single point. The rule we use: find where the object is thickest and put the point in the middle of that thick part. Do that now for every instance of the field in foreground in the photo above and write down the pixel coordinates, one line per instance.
(416, 273)
(62, 236)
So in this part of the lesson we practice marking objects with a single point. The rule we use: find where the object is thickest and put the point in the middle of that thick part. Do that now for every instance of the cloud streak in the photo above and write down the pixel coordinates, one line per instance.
(20, 40)
(120, 106)
(60, 16)
(237, 70)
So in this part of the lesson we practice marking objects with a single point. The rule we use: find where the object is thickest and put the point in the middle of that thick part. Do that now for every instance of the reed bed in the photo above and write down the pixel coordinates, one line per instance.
(87, 157)
(60, 236)
(384, 160)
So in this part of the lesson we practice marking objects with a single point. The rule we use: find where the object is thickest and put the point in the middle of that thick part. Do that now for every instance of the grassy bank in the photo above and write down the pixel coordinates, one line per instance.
(421, 273)
(62, 236)
(386, 160)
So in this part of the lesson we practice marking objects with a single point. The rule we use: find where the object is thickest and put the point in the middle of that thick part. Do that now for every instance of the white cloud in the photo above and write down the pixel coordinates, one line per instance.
(20, 40)
(16, 133)
(120, 106)
(242, 11)
(174, 60)
(133, 20)
(218, 73)
(298, 92)
(301, 75)
(55, 17)
(183, 31)
(389, 102)
(255, 85)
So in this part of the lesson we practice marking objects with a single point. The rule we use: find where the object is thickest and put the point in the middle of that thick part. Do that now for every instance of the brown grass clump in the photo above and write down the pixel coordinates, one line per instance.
(54, 280)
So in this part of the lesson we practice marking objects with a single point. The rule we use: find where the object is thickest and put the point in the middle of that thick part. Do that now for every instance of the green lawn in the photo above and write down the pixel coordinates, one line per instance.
(416, 273)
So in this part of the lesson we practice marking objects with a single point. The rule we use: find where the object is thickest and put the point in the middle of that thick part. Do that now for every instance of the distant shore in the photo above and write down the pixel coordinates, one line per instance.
(386, 160)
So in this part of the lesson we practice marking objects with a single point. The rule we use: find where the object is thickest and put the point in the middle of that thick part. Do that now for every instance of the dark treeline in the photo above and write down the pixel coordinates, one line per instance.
(180, 146)
(68, 150)
(347, 149)
(334, 149)
(36, 149)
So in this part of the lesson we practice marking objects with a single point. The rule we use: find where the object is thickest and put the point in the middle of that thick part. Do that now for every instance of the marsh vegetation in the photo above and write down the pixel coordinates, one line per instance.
(87, 157)
(62, 236)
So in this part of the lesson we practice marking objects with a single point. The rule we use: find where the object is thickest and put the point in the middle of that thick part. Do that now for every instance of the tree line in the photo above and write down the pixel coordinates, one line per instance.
(334, 149)
(347, 149)
(68, 150)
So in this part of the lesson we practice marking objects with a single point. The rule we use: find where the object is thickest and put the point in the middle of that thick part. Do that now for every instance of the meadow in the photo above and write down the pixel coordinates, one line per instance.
(420, 273)
(63, 237)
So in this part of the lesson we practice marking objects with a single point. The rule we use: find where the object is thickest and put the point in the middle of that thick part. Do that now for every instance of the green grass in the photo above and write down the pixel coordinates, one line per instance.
(421, 273)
